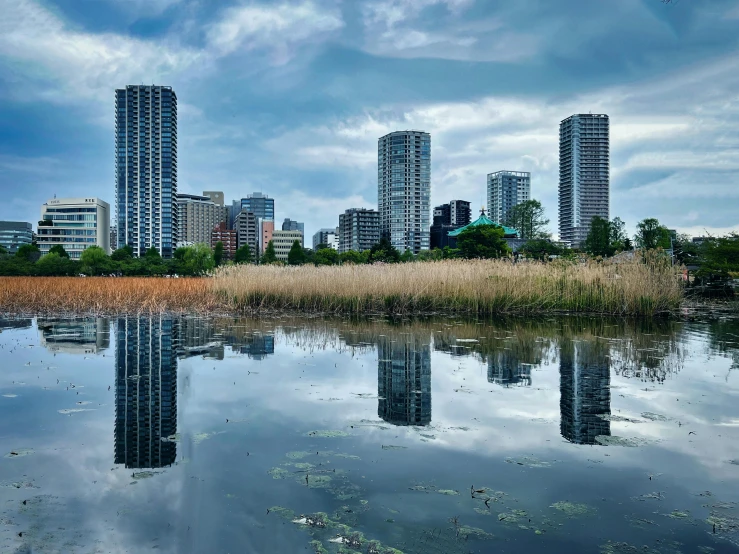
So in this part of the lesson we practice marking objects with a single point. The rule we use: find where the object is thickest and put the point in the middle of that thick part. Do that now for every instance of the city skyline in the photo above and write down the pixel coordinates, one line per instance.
(638, 63)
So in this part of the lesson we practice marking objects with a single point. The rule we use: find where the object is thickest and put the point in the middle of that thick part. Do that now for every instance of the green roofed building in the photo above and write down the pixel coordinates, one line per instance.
(485, 220)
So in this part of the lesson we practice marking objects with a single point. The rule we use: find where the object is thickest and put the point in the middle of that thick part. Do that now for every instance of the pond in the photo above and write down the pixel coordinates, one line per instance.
(316, 435)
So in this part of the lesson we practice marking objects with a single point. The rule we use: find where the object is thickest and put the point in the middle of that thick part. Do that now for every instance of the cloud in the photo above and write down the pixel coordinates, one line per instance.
(279, 28)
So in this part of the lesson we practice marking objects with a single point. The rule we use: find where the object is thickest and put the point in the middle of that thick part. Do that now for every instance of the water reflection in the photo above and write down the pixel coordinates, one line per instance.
(404, 380)
(507, 370)
(89, 335)
(146, 392)
(12, 323)
(585, 391)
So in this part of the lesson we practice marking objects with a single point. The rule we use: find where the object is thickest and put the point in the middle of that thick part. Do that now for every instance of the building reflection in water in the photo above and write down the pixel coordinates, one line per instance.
(146, 392)
(88, 335)
(506, 369)
(585, 392)
(258, 346)
(404, 380)
(13, 323)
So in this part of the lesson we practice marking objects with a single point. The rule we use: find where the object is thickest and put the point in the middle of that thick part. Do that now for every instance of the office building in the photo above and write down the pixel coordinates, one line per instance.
(404, 380)
(14, 234)
(246, 226)
(257, 203)
(291, 225)
(146, 392)
(216, 196)
(198, 215)
(75, 224)
(585, 391)
(584, 175)
(329, 237)
(266, 228)
(359, 229)
(84, 335)
(113, 237)
(404, 189)
(505, 190)
(228, 237)
(283, 241)
(146, 168)
(449, 217)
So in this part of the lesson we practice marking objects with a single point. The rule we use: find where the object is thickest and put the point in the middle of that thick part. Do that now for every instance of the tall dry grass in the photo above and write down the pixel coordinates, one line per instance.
(478, 287)
(105, 295)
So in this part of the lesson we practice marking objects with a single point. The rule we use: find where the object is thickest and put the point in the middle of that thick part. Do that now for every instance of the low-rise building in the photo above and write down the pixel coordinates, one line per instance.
(221, 233)
(359, 229)
(14, 234)
(246, 226)
(283, 241)
(266, 228)
(329, 237)
(75, 224)
(198, 215)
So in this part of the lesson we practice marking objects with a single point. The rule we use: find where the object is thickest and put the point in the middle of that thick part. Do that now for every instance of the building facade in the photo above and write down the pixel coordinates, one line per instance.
(359, 229)
(292, 225)
(505, 190)
(257, 203)
(198, 215)
(449, 217)
(329, 237)
(247, 231)
(404, 189)
(14, 234)
(216, 196)
(584, 174)
(228, 237)
(266, 228)
(75, 224)
(146, 168)
(404, 381)
(283, 242)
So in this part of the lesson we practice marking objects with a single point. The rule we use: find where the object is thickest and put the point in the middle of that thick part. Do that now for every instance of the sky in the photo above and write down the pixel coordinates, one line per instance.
(289, 98)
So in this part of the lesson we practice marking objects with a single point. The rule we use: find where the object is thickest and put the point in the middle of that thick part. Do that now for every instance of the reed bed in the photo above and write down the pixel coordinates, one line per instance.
(106, 295)
(477, 287)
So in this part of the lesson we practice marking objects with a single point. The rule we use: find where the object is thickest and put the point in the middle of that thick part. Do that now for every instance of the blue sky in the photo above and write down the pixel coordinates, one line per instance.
(289, 97)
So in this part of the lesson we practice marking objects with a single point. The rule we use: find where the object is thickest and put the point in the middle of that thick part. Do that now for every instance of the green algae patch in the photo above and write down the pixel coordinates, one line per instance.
(613, 440)
(282, 512)
(571, 509)
(676, 514)
(298, 455)
(514, 516)
(448, 492)
(279, 473)
(327, 434)
(200, 437)
(528, 461)
(625, 548)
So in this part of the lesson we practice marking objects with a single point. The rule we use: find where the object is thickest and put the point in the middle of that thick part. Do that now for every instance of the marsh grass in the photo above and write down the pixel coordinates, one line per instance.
(476, 287)
(470, 288)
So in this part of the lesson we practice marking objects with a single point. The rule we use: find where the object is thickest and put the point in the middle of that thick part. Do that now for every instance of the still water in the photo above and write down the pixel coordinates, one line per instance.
(296, 435)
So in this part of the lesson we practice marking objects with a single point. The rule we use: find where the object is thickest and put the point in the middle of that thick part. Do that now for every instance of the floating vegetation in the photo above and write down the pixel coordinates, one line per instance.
(617, 418)
(144, 474)
(613, 440)
(279, 473)
(172, 438)
(655, 417)
(75, 410)
(514, 516)
(448, 492)
(347, 456)
(659, 495)
(625, 548)
(528, 461)
(571, 509)
(200, 437)
(393, 447)
(327, 434)
(10, 395)
(19, 453)
(433, 488)
(676, 514)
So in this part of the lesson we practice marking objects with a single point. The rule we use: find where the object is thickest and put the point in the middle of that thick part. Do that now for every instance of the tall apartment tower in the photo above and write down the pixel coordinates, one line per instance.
(146, 168)
(505, 190)
(404, 189)
(584, 174)
(404, 380)
(359, 230)
(197, 216)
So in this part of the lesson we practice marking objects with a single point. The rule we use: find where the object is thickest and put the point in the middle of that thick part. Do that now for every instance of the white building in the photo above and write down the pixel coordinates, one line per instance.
(283, 241)
(75, 224)
(505, 190)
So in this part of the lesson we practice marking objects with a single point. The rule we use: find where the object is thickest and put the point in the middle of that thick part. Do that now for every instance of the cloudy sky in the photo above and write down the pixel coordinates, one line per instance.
(289, 97)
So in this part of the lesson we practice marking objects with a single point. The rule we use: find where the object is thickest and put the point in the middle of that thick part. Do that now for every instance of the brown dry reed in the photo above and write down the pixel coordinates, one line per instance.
(474, 288)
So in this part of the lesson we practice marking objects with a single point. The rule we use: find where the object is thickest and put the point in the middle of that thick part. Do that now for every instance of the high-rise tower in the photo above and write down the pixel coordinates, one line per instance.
(146, 168)
(584, 174)
(404, 189)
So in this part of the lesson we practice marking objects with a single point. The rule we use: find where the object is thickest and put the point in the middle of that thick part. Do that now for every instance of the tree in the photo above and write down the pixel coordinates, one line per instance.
(383, 251)
(54, 264)
(296, 256)
(269, 256)
(354, 257)
(218, 253)
(326, 256)
(243, 255)
(198, 259)
(3, 251)
(94, 261)
(650, 234)
(122, 254)
(152, 255)
(407, 256)
(540, 249)
(720, 258)
(618, 238)
(528, 219)
(482, 241)
(59, 249)
(598, 241)
(28, 252)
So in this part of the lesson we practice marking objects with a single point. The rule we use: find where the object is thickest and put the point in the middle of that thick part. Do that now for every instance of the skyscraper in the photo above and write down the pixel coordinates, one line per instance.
(584, 174)
(257, 203)
(505, 190)
(146, 168)
(404, 189)
(404, 380)
(359, 229)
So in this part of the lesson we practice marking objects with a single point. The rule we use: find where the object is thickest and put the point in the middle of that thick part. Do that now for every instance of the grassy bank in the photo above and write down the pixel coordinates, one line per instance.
(468, 287)
(452, 286)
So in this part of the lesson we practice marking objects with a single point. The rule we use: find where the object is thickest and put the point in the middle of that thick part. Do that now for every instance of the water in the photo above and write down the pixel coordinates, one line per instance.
(229, 436)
